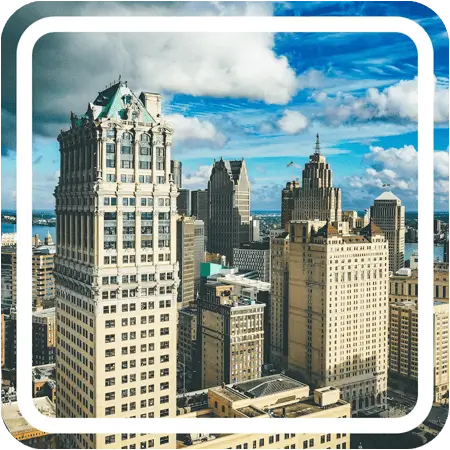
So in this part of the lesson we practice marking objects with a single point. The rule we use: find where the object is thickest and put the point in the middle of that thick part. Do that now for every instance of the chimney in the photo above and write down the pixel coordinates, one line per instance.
(152, 103)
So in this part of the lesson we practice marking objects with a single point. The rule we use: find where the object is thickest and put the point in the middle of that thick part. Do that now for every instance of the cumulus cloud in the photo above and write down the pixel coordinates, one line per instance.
(197, 179)
(397, 102)
(292, 122)
(195, 132)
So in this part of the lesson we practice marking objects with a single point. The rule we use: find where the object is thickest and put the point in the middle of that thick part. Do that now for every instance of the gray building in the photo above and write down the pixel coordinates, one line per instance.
(183, 202)
(7, 278)
(254, 256)
(229, 203)
(176, 171)
(186, 260)
(254, 230)
(199, 245)
(200, 208)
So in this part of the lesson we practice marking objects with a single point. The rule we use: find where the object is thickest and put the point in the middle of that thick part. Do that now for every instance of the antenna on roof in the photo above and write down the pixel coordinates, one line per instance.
(317, 149)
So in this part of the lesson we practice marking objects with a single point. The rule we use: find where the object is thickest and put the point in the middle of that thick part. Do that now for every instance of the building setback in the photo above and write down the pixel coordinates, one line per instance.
(116, 268)
(317, 199)
(331, 330)
(389, 214)
(229, 203)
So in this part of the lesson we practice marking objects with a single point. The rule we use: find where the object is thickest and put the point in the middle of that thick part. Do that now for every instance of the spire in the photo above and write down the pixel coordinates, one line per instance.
(317, 149)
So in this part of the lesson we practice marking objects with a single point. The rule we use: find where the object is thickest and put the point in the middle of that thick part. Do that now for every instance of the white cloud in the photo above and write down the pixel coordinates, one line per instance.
(194, 132)
(292, 122)
(198, 179)
(441, 164)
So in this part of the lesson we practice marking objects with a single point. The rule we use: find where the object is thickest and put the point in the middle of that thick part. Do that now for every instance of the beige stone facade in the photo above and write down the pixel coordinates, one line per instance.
(274, 396)
(338, 311)
(116, 267)
(186, 260)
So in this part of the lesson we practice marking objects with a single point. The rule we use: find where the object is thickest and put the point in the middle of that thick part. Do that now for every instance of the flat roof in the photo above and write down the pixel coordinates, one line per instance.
(302, 407)
(272, 384)
(14, 420)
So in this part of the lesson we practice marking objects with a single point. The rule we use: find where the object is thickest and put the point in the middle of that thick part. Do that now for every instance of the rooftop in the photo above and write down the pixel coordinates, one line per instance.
(272, 384)
(44, 373)
(387, 195)
(48, 312)
(14, 420)
(302, 407)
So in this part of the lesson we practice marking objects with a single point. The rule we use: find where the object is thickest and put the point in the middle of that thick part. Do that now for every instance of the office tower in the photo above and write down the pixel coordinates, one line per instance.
(231, 333)
(189, 372)
(437, 226)
(183, 202)
(338, 307)
(199, 244)
(186, 253)
(403, 334)
(43, 264)
(7, 278)
(274, 396)
(446, 260)
(3, 339)
(200, 209)
(279, 254)
(116, 268)
(287, 201)
(254, 230)
(44, 336)
(176, 168)
(317, 198)
(229, 203)
(440, 281)
(389, 214)
(254, 256)
(412, 235)
(404, 286)
(403, 345)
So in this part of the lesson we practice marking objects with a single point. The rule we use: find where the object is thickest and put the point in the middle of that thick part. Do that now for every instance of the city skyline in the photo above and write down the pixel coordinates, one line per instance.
(357, 91)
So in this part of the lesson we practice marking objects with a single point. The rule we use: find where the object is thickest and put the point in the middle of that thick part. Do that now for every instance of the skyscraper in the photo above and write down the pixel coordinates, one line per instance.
(200, 209)
(186, 260)
(116, 269)
(287, 201)
(317, 198)
(183, 202)
(254, 256)
(254, 235)
(199, 244)
(229, 203)
(332, 330)
(389, 214)
(176, 168)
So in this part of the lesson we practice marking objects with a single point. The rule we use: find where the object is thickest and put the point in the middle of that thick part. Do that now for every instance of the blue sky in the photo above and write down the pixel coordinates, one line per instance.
(261, 96)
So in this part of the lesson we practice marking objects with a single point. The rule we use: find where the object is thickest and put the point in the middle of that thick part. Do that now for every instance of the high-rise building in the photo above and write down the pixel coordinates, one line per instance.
(176, 169)
(446, 260)
(183, 202)
(189, 368)
(287, 201)
(231, 336)
(7, 278)
(437, 226)
(275, 396)
(44, 336)
(116, 268)
(403, 345)
(279, 254)
(440, 281)
(254, 235)
(404, 286)
(338, 307)
(317, 199)
(389, 214)
(254, 256)
(199, 244)
(186, 253)
(3, 341)
(229, 203)
(200, 208)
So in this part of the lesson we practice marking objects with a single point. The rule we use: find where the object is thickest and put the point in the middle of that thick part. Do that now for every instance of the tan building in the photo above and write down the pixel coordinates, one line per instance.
(441, 281)
(186, 255)
(338, 311)
(403, 345)
(231, 336)
(44, 336)
(279, 293)
(21, 430)
(116, 267)
(287, 201)
(275, 396)
(317, 199)
(389, 214)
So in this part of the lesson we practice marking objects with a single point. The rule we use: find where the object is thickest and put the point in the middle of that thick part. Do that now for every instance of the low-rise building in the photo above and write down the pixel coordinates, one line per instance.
(44, 381)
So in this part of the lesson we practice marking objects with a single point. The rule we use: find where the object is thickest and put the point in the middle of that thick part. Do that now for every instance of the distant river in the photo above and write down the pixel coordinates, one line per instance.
(411, 248)
(41, 231)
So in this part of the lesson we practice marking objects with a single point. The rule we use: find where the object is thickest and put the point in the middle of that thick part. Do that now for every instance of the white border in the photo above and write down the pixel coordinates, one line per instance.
(426, 83)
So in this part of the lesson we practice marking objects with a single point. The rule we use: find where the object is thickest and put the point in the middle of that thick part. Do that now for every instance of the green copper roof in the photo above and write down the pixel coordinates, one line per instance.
(120, 103)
